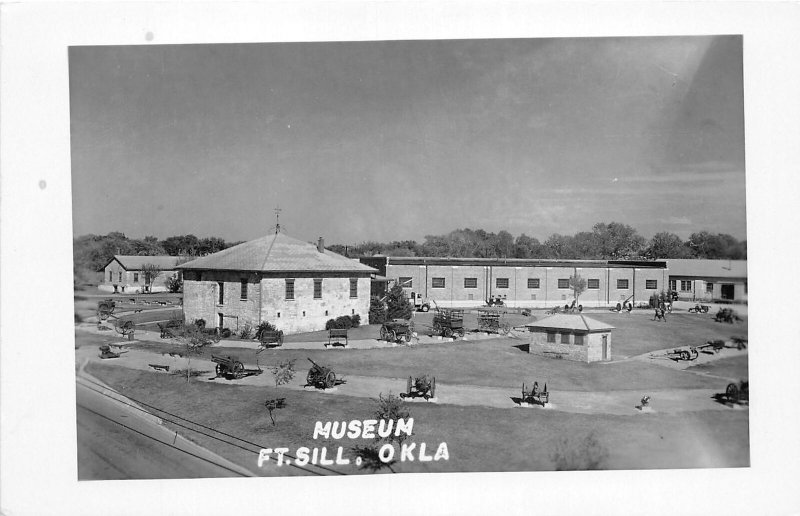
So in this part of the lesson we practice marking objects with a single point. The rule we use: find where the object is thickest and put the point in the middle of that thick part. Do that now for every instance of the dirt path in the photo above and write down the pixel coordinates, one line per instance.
(609, 402)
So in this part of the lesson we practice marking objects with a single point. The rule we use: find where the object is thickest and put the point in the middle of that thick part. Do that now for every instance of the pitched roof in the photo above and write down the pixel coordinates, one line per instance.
(577, 322)
(277, 253)
(708, 268)
(135, 263)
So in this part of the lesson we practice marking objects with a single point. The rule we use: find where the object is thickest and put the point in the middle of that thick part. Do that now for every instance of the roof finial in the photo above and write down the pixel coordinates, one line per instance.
(277, 220)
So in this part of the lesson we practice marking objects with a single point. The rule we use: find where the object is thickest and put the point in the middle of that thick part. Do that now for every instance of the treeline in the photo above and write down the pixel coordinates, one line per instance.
(91, 252)
(612, 241)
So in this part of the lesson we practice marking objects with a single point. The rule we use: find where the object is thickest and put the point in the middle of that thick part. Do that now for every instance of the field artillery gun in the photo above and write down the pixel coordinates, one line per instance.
(397, 330)
(736, 393)
(491, 321)
(105, 352)
(572, 308)
(228, 366)
(170, 329)
(534, 395)
(105, 308)
(322, 377)
(626, 305)
(448, 322)
(727, 315)
(678, 354)
(699, 309)
(494, 301)
(420, 387)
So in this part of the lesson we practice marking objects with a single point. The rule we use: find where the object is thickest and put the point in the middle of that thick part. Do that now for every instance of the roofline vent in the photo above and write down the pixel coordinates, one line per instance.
(321, 245)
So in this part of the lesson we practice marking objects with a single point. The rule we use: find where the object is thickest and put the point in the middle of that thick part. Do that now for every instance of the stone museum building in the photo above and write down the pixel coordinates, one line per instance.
(296, 286)
(572, 337)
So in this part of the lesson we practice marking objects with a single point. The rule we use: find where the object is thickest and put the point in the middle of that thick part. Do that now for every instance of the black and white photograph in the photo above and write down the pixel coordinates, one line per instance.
(407, 258)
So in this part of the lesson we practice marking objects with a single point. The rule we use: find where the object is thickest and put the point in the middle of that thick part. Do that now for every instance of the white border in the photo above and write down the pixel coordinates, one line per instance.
(36, 356)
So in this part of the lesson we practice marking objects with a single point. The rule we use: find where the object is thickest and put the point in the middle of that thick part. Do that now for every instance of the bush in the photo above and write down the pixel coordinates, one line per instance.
(200, 323)
(174, 284)
(246, 332)
(264, 326)
(226, 333)
(345, 322)
(398, 306)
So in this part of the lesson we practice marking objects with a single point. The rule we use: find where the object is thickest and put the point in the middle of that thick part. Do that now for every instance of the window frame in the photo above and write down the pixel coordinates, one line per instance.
(504, 280)
(623, 281)
(473, 283)
(289, 289)
(443, 282)
(551, 337)
(565, 338)
(317, 288)
(579, 339)
(353, 288)
(406, 281)
(534, 283)
(220, 293)
(652, 282)
(563, 283)
(592, 281)
(243, 289)
(685, 283)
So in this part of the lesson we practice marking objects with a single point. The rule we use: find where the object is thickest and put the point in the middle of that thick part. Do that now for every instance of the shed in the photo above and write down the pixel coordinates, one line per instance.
(572, 337)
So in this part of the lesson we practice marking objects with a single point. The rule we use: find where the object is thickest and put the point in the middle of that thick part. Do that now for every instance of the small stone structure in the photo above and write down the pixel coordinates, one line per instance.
(572, 337)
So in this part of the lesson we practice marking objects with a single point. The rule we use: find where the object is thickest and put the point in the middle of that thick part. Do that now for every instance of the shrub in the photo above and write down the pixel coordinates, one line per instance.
(174, 284)
(200, 323)
(330, 325)
(398, 306)
(344, 322)
(355, 320)
(246, 332)
(226, 333)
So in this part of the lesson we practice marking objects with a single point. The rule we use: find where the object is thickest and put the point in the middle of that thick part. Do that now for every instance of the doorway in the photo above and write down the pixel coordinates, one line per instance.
(726, 291)
(605, 347)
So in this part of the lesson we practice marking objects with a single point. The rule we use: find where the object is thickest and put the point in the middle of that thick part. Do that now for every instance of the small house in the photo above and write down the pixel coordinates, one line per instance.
(572, 337)
(128, 274)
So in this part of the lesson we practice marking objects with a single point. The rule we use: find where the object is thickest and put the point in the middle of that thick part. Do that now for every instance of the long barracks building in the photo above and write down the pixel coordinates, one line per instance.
(522, 282)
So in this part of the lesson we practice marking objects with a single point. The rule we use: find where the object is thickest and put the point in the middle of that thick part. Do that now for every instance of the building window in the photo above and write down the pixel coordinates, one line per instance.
(651, 284)
(622, 284)
(563, 283)
(120, 276)
(686, 286)
(502, 282)
(578, 340)
(470, 282)
(353, 288)
(551, 337)
(220, 293)
(289, 289)
(533, 282)
(565, 338)
(405, 282)
(437, 282)
(243, 295)
(317, 289)
(136, 277)
(593, 284)
(709, 288)
(673, 285)
(110, 276)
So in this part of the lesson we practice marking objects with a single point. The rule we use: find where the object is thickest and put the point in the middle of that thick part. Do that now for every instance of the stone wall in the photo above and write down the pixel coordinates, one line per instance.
(590, 351)
(266, 300)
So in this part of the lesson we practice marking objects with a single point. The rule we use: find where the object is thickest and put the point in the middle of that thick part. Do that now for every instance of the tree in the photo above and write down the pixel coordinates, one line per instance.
(398, 306)
(617, 241)
(175, 284)
(666, 245)
(194, 340)
(151, 272)
(390, 408)
(377, 311)
(578, 286)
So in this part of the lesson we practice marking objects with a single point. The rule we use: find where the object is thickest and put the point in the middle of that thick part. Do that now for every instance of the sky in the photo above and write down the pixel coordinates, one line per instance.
(395, 140)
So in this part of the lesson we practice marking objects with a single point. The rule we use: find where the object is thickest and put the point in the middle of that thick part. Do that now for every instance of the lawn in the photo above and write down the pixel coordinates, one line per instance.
(478, 439)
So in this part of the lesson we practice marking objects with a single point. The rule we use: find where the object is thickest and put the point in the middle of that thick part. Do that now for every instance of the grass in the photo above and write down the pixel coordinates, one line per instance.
(478, 439)
(734, 368)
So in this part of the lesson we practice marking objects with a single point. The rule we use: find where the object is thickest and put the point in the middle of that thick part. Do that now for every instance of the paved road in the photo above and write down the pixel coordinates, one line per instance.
(119, 442)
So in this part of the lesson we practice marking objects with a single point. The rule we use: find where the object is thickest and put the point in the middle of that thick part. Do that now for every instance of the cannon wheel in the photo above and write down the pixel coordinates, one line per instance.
(619, 307)
(433, 387)
(694, 353)
(238, 369)
(392, 335)
(705, 309)
(566, 307)
(437, 328)
(408, 387)
(448, 332)
(425, 308)
(309, 378)
(407, 336)
(732, 392)
(522, 399)
(384, 333)
(684, 355)
(580, 308)
(330, 379)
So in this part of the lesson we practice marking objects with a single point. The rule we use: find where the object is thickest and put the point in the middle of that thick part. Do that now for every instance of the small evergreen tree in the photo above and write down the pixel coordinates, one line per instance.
(283, 372)
(377, 311)
(398, 305)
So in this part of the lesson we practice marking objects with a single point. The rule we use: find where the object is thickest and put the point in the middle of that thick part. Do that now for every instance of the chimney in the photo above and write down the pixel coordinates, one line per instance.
(321, 245)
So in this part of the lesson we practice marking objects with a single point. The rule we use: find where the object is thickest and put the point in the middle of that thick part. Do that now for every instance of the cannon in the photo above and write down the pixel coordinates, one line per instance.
(699, 309)
(396, 330)
(738, 393)
(491, 321)
(421, 387)
(571, 308)
(321, 377)
(105, 352)
(626, 305)
(534, 395)
(679, 354)
(726, 315)
(105, 308)
(228, 366)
